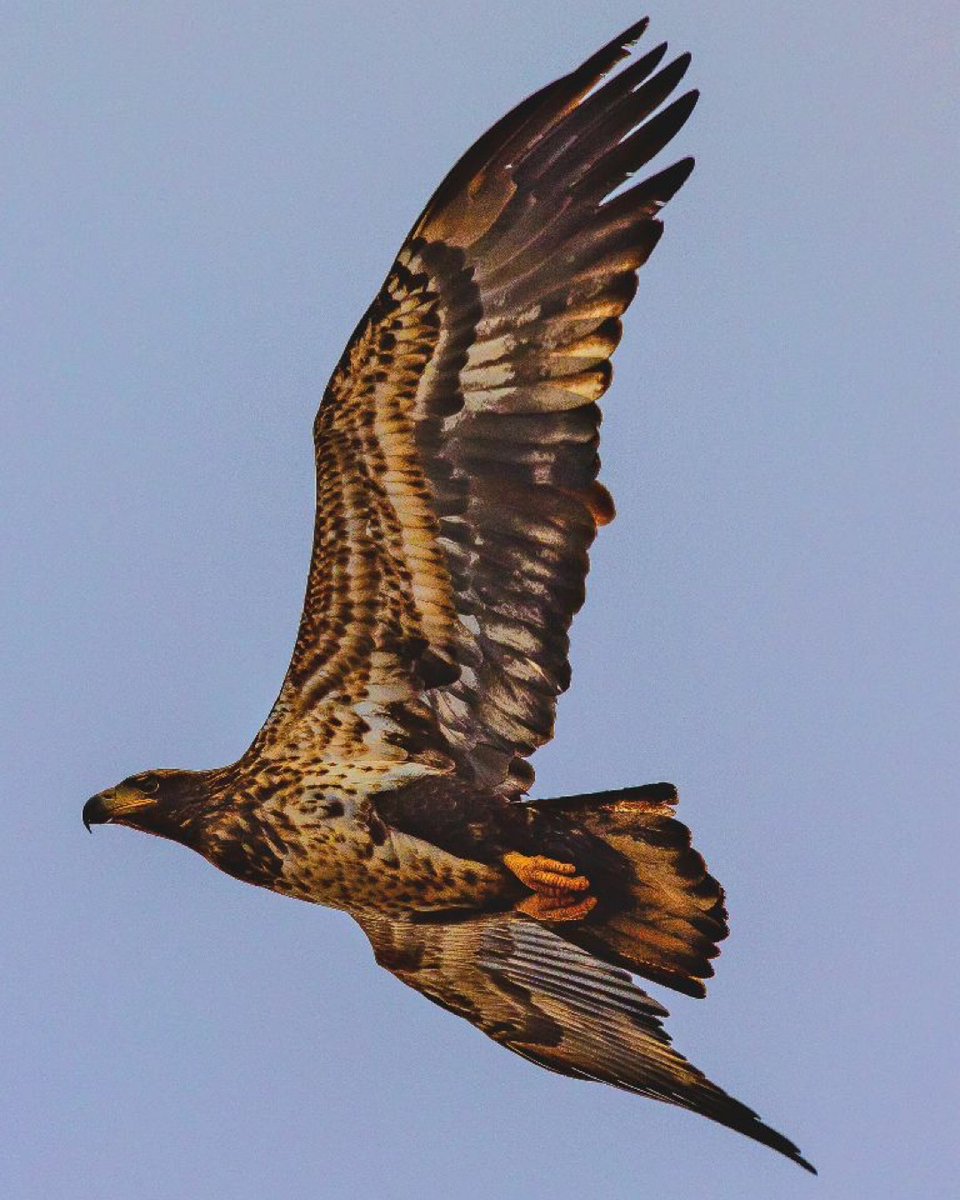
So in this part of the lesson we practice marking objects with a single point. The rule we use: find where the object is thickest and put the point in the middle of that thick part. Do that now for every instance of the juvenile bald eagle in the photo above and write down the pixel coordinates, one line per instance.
(457, 498)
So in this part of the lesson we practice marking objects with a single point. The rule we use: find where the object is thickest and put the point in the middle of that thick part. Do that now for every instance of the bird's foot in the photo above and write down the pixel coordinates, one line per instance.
(558, 891)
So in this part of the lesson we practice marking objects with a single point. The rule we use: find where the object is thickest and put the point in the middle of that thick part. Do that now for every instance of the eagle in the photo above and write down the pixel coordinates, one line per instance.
(456, 502)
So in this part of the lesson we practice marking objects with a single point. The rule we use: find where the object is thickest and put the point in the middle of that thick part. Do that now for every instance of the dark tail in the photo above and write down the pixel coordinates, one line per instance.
(660, 913)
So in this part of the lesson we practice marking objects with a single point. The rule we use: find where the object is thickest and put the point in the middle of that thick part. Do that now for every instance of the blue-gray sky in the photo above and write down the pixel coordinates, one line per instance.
(199, 200)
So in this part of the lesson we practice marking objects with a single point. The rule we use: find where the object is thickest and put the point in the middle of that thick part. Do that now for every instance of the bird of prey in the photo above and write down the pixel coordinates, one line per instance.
(457, 499)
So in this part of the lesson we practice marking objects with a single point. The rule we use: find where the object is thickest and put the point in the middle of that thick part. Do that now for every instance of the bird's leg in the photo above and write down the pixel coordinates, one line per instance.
(558, 891)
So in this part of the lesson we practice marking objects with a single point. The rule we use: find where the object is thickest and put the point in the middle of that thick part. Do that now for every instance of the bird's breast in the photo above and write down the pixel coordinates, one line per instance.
(343, 855)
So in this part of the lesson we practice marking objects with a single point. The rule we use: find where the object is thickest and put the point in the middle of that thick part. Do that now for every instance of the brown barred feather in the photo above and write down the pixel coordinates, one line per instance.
(457, 440)
(673, 917)
(558, 1006)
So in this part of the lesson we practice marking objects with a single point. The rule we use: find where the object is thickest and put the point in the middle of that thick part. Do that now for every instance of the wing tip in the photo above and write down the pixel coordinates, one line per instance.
(602, 61)
(629, 37)
(634, 32)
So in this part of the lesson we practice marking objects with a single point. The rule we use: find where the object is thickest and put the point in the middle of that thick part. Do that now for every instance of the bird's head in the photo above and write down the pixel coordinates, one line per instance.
(167, 803)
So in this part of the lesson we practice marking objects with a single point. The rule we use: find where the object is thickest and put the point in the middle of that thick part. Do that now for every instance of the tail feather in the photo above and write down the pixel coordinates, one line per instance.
(661, 914)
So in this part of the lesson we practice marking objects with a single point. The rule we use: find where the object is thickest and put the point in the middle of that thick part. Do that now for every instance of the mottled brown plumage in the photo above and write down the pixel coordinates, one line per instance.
(457, 499)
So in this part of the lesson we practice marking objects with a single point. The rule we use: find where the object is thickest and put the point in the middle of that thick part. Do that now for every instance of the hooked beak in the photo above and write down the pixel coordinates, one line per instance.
(113, 805)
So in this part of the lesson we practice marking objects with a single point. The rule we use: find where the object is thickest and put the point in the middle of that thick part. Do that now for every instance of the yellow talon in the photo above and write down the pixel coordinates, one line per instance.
(558, 889)
(546, 908)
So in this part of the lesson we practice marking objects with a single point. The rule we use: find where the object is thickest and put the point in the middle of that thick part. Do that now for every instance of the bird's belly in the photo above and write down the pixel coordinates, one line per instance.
(342, 865)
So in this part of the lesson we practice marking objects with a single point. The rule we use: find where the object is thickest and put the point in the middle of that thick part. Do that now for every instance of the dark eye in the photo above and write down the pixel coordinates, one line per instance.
(148, 784)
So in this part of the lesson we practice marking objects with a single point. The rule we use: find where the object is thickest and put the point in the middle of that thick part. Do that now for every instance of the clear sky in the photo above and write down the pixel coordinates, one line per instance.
(199, 200)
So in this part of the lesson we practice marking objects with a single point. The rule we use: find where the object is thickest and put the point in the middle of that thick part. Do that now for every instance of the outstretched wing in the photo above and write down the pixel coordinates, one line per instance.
(558, 1006)
(457, 440)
